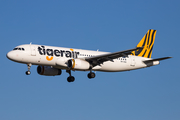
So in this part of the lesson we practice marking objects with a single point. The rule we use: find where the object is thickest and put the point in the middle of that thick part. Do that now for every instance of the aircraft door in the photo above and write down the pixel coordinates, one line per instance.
(33, 50)
(133, 62)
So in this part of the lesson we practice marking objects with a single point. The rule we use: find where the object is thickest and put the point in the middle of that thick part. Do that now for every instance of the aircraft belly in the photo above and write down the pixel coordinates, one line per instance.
(119, 65)
(115, 66)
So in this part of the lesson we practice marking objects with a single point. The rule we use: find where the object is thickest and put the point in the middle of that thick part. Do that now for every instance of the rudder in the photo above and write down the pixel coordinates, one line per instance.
(147, 42)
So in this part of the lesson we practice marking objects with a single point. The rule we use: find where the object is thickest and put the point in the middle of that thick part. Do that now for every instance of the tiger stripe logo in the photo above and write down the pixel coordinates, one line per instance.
(147, 42)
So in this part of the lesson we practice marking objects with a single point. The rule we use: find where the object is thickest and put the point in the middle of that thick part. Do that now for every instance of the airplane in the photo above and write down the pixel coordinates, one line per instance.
(52, 60)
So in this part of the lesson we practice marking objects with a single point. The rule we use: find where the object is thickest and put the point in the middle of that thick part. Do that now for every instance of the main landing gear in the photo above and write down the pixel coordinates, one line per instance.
(70, 78)
(29, 67)
(91, 75)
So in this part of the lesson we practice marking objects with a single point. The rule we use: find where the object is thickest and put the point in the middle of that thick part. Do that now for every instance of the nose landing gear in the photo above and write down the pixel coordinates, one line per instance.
(29, 67)
(28, 72)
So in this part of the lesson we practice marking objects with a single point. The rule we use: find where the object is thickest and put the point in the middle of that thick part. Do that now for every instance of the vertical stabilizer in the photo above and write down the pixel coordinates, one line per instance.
(147, 42)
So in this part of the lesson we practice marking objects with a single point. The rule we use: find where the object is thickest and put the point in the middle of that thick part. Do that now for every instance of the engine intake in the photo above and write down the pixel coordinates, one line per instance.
(78, 64)
(48, 71)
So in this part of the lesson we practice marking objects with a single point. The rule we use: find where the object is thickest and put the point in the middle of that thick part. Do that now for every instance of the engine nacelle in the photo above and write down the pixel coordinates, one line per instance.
(78, 64)
(48, 71)
(62, 62)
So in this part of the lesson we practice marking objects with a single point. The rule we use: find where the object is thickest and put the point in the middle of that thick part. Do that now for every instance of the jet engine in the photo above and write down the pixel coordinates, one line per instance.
(48, 71)
(78, 64)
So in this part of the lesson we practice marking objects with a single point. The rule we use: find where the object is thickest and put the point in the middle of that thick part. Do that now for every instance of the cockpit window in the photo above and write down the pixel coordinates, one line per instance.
(17, 48)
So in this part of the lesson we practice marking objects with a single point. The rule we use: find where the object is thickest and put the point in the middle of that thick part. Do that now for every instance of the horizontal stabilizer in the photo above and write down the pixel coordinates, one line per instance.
(157, 59)
(154, 61)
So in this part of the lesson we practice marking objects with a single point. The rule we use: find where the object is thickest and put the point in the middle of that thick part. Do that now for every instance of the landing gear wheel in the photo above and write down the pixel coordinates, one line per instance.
(70, 79)
(91, 75)
(29, 67)
(28, 72)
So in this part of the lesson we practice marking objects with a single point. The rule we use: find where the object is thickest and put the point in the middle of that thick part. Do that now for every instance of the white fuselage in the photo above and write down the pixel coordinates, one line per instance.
(48, 56)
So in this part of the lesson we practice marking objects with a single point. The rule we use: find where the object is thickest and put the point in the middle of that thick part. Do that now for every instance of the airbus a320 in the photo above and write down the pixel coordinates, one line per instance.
(52, 60)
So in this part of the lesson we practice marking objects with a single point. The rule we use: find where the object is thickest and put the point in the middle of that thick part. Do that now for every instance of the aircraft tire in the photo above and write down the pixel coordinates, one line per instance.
(28, 72)
(70, 79)
(91, 75)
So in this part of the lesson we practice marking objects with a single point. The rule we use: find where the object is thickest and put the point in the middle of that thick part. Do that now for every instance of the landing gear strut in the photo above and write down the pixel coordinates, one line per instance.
(29, 67)
(70, 78)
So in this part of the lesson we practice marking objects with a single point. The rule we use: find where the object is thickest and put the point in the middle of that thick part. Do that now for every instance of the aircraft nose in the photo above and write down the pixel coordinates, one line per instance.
(14, 56)
(10, 55)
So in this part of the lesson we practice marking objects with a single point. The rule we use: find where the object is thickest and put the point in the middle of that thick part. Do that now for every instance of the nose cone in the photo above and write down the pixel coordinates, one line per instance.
(14, 56)
(10, 55)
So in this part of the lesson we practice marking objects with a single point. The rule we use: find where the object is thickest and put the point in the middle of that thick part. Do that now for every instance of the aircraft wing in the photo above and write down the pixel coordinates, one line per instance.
(99, 59)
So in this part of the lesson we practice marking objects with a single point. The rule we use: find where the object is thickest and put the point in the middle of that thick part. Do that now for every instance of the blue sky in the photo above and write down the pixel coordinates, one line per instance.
(145, 94)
